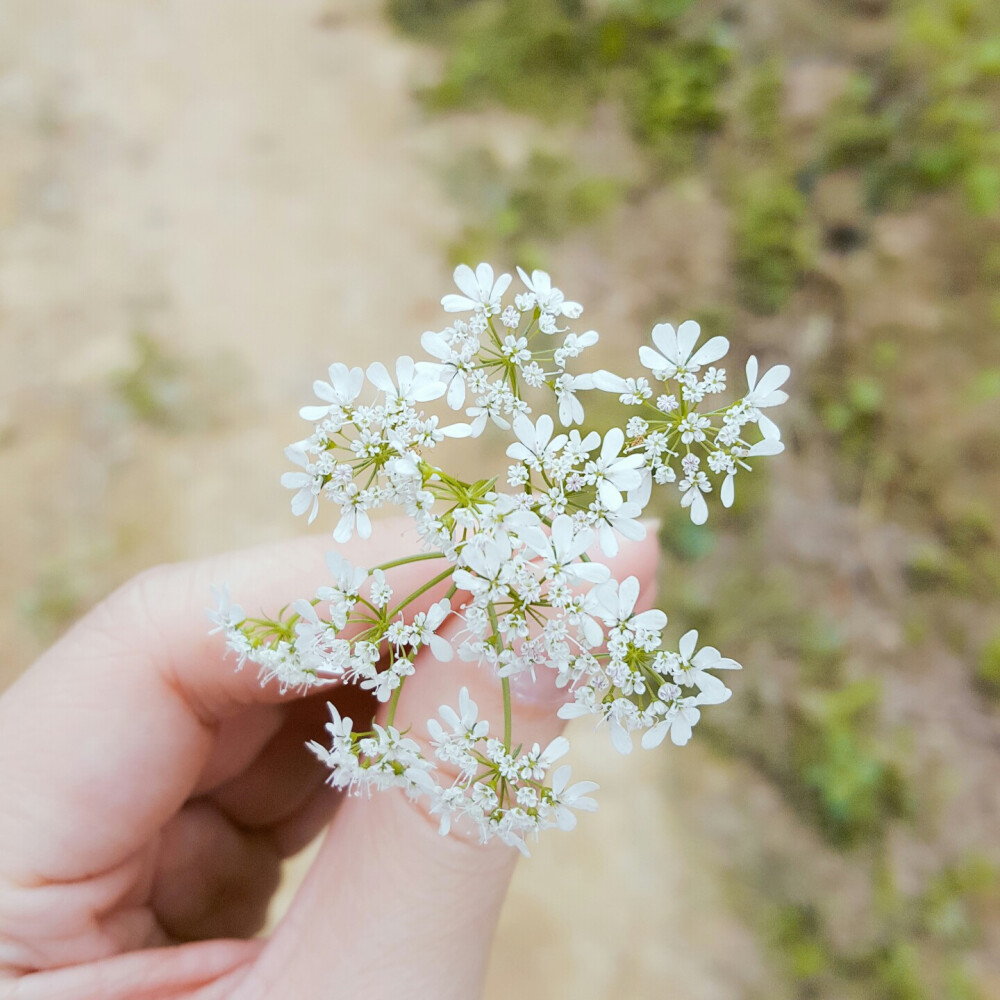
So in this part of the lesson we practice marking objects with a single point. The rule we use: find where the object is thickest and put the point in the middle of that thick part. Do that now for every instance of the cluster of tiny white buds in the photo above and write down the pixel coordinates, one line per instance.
(529, 589)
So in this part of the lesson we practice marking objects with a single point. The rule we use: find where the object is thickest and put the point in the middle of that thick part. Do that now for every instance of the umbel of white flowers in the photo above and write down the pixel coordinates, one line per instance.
(527, 595)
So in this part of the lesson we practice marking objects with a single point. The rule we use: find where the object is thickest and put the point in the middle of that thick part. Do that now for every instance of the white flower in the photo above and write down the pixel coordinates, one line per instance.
(691, 668)
(346, 589)
(418, 382)
(308, 483)
(625, 522)
(535, 444)
(574, 345)
(623, 718)
(381, 592)
(570, 408)
(225, 615)
(561, 551)
(548, 299)
(424, 630)
(766, 392)
(675, 356)
(692, 488)
(614, 602)
(466, 726)
(528, 596)
(611, 472)
(564, 799)
(480, 292)
(488, 568)
(681, 717)
(342, 390)
(353, 515)
(455, 365)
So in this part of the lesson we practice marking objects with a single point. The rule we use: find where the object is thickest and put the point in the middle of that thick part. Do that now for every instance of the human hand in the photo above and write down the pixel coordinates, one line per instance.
(150, 793)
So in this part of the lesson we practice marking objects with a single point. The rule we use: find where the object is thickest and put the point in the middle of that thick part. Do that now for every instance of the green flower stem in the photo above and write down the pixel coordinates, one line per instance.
(421, 590)
(504, 684)
(407, 559)
(507, 714)
(394, 701)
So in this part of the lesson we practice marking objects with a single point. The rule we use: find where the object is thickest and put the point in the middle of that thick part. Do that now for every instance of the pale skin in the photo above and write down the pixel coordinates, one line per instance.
(149, 793)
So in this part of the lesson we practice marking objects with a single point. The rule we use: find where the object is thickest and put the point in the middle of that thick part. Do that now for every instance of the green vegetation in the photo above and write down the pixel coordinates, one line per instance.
(155, 389)
(919, 953)
(163, 389)
(674, 98)
(988, 667)
(516, 212)
(59, 595)
(769, 251)
(848, 779)
(555, 58)
(929, 119)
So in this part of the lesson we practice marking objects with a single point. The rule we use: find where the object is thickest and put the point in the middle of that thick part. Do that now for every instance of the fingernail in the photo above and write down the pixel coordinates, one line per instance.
(538, 690)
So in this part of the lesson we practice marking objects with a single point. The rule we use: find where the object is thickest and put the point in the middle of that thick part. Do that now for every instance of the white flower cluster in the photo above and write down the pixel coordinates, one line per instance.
(525, 588)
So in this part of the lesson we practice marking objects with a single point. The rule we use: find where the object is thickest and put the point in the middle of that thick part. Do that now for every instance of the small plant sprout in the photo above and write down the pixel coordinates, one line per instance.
(519, 556)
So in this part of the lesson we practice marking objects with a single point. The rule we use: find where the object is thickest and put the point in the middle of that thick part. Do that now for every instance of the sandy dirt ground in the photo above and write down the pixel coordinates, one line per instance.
(250, 183)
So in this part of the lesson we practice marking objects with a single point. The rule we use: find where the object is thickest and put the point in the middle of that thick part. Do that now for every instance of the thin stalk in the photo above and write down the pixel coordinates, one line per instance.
(507, 714)
(421, 590)
(404, 560)
(504, 684)
(394, 701)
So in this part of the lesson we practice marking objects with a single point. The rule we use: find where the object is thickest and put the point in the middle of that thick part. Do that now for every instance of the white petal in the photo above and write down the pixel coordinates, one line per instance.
(769, 446)
(620, 739)
(572, 710)
(680, 731)
(687, 336)
(653, 620)
(665, 338)
(712, 351)
(610, 497)
(592, 572)
(314, 412)
(456, 393)
(634, 531)
(435, 345)
(653, 361)
(628, 594)
(364, 525)
(773, 379)
(687, 644)
(379, 376)
(458, 303)
(484, 277)
(467, 280)
(324, 391)
(699, 509)
(768, 428)
(610, 382)
(654, 737)
(441, 649)
(726, 494)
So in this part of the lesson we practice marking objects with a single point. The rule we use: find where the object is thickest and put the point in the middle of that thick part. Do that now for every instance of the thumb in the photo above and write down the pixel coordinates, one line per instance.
(390, 907)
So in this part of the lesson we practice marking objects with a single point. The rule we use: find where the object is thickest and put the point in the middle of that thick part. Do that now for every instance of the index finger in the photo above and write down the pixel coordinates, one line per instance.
(103, 739)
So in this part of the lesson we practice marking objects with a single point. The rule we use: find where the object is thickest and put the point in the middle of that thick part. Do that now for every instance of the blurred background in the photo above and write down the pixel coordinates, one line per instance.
(203, 205)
